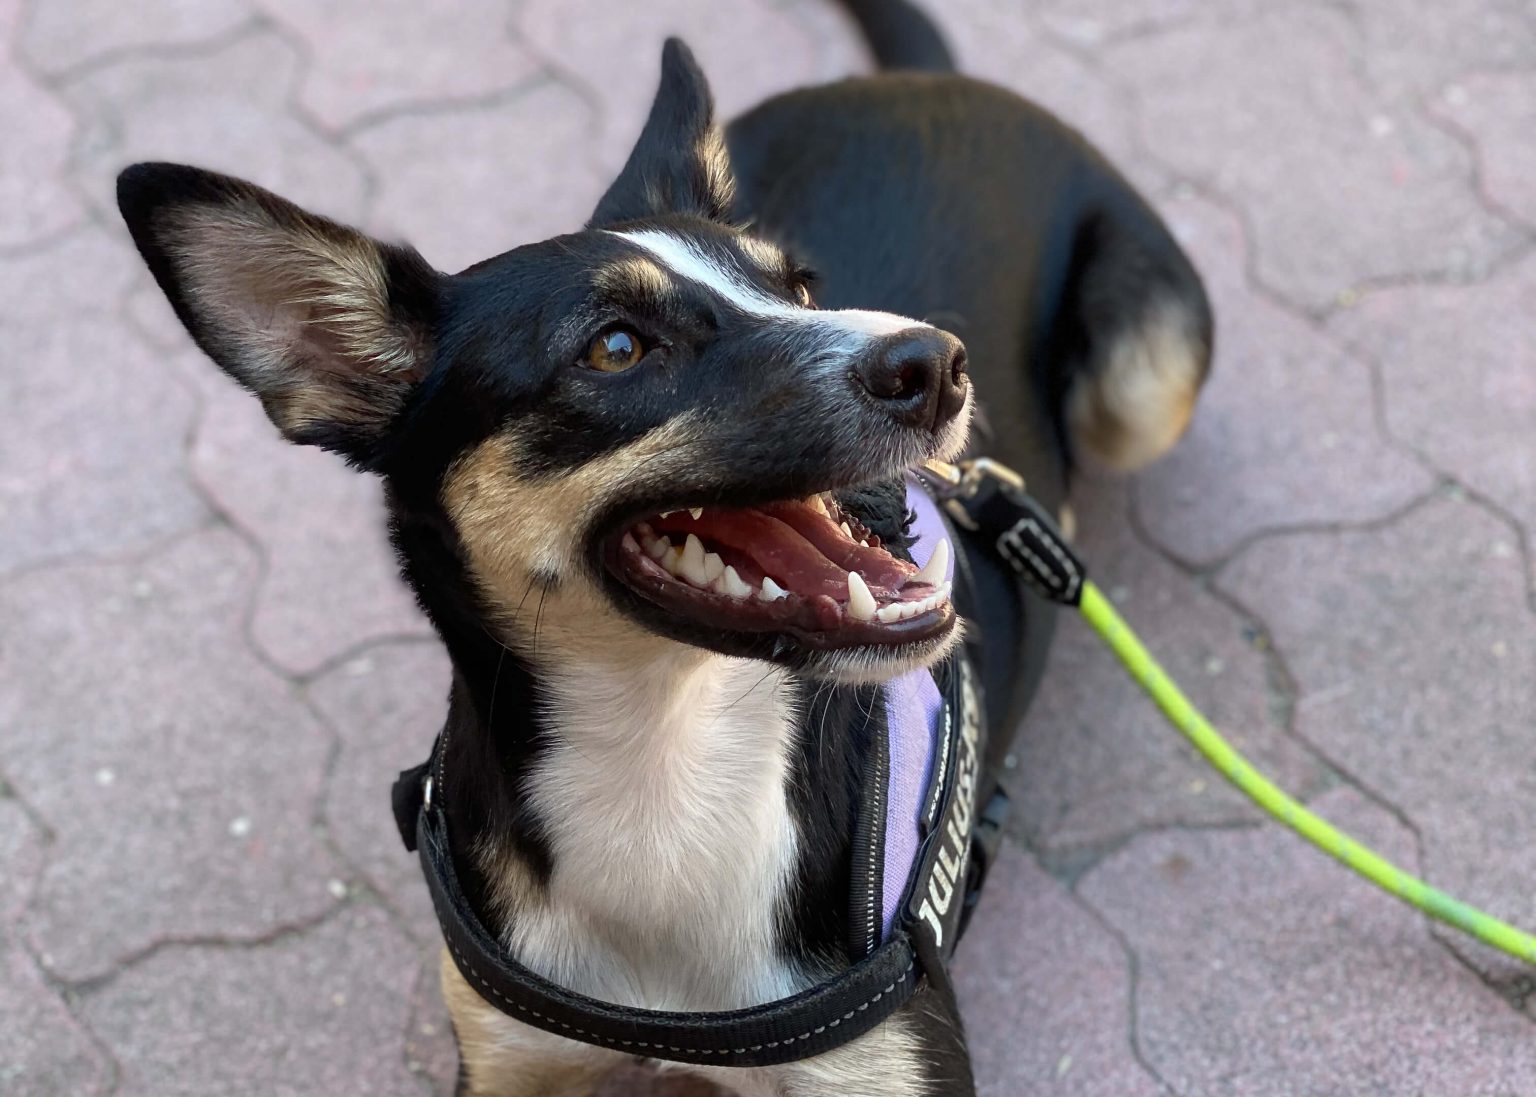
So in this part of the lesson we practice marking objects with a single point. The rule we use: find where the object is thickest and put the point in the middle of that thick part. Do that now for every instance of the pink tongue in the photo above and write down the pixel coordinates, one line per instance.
(780, 550)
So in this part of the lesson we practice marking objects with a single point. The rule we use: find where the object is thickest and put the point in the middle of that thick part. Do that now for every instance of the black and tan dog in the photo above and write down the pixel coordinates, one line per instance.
(645, 481)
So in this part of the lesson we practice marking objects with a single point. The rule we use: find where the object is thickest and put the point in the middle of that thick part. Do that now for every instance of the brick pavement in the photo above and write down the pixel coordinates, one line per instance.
(208, 674)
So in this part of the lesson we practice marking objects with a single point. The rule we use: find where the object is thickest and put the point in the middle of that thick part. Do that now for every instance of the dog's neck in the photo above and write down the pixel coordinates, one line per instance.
(620, 802)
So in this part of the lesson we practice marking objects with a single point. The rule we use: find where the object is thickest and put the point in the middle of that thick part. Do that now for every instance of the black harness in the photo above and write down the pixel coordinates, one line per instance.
(960, 826)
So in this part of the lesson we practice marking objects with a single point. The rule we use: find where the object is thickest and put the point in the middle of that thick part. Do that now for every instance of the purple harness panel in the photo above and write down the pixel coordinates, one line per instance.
(912, 706)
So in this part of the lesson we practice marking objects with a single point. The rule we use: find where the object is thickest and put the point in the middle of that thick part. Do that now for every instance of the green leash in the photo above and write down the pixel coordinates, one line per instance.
(978, 492)
(1111, 627)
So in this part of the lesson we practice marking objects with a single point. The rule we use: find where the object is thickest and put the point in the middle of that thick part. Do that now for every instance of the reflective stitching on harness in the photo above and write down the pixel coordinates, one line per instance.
(1010, 540)
(611, 1042)
(877, 817)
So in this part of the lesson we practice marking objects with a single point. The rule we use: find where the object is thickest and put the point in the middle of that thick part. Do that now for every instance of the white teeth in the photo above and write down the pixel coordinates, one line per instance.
(731, 584)
(658, 547)
(817, 504)
(771, 591)
(861, 603)
(863, 544)
(629, 543)
(673, 560)
(714, 567)
(697, 512)
(664, 513)
(887, 614)
(848, 533)
(691, 566)
(936, 570)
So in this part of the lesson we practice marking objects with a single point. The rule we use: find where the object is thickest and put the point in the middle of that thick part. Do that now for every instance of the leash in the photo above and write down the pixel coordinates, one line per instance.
(976, 491)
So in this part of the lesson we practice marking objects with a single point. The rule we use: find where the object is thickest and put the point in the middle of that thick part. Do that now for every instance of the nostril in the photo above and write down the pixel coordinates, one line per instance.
(957, 365)
(911, 379)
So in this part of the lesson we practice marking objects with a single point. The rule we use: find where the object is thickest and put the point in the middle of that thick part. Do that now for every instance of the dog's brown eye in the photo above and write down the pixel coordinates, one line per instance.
(803, 294)
(614, 351)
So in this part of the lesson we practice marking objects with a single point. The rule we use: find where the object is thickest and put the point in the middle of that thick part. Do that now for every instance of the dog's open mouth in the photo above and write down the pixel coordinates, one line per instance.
(798, 566)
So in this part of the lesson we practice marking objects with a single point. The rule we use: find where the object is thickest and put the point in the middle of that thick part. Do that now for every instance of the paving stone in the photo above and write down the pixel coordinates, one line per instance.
(1096, 761)
(1045, 992)
(43, 1050)
(1285, 433)
(1409, 49)
(1266, 969)
(369, 56)
(748, 49)
(839, 46)
(91, 459)
(440, 190)
(179, 775)
(1371, 189)
(21, 858)
(994, 41)
(331, 580)
(225, 109)
(1459, 375)
(1499, 113)
(64, 34)
(318, 1013)
(35, 203)
(1411, 647)
(386, 706)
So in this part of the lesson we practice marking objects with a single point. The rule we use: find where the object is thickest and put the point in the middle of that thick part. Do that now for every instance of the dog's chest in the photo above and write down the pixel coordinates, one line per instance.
(663, 800)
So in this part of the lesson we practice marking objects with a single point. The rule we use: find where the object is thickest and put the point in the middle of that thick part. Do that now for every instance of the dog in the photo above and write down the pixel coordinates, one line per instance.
(593, 446)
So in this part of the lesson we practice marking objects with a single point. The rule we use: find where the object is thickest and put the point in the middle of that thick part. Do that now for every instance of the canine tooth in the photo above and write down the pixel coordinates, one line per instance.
(713, 566)
(861, 603)
(848, 533)
(658, 547)
(817, 504)
(733, 584)
(697, 512)
(863, 544)
(889, 613)
(629, 543)
(692, 564)
(664, 513)
(936, 570)
(771, 591)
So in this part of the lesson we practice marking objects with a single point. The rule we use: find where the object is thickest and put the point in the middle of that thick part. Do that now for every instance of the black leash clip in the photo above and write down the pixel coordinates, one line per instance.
(990, 499)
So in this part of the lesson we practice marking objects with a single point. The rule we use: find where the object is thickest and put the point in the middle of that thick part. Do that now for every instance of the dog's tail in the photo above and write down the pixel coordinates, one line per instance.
(901, 35)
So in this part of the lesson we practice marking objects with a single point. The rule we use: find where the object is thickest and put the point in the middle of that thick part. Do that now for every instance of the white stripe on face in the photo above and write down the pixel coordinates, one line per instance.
(727, 282)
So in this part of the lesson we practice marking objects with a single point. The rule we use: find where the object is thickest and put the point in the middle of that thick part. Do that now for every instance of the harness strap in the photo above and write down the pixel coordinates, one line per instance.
(816, 1020)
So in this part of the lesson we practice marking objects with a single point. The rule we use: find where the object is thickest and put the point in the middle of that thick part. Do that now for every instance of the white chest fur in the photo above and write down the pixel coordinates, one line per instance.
(663, 800)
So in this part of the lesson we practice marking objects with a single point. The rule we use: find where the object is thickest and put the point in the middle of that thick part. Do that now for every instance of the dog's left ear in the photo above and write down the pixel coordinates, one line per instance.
(679, 165)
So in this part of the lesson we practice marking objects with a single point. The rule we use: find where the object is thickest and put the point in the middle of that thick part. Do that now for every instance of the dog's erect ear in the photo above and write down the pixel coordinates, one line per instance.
(679, 165)
(330, 328)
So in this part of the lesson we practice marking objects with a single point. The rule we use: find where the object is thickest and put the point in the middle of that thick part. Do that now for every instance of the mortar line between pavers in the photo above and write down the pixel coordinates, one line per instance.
(320, 819)
(91, 985)
(110, 558)
(1207, 569)
(333, 663)
(1132, 983)
(1067, 867)
(1345, 773)
(68, 999)
(1469, 143)
(445, 104)
(147, 51)
(1500, 513)
(1516, 996)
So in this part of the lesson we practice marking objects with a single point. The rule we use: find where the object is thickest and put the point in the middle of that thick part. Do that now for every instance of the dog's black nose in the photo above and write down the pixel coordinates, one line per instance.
(917, 375)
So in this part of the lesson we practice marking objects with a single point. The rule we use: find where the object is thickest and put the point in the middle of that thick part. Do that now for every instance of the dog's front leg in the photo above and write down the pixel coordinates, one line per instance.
(502, 1057)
